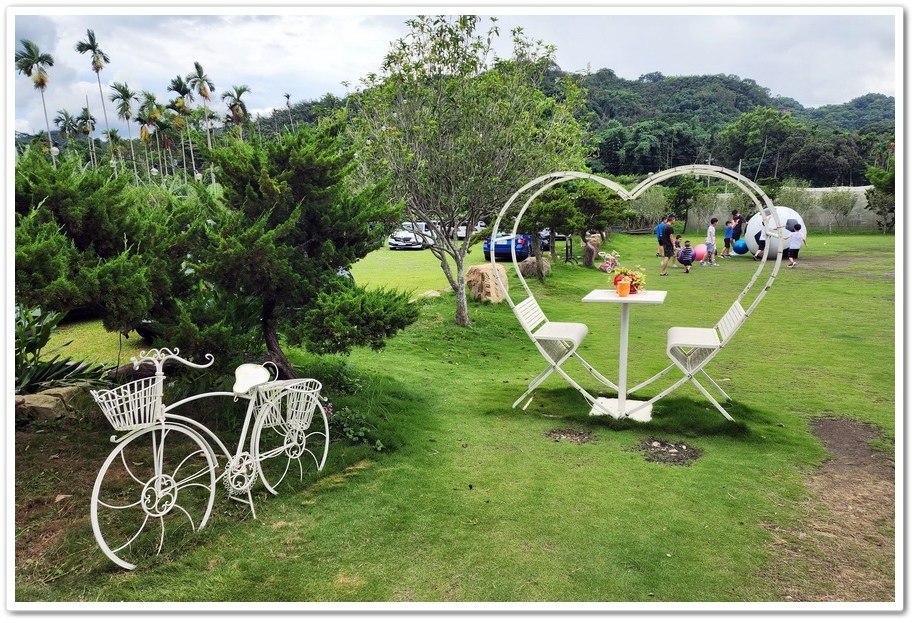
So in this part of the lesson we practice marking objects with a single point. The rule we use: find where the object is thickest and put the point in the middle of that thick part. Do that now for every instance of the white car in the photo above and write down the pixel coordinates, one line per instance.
(462, 230)
(545, 234)
(404, 240)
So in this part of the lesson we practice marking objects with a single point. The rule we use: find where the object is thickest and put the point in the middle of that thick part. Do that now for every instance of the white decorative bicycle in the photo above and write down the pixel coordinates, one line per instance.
(161, 478)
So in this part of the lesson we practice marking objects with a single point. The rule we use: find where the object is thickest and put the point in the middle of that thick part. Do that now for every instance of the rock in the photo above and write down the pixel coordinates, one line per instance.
(483, 285)
(590, 250)
(528, 266)
(426, 295)
(127, 373)
(41, 406)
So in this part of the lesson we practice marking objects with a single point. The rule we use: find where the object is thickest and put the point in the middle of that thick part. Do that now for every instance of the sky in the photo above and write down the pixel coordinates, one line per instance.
(817, 56)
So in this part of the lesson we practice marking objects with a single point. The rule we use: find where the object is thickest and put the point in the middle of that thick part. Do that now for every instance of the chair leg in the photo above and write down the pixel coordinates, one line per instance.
(652, 380)
(712, 400)
(535, 382)
(716, 385)
(540, 378)
(594, 372)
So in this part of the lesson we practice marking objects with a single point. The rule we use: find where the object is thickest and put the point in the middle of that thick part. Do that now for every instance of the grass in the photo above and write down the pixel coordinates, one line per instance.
(473, 501)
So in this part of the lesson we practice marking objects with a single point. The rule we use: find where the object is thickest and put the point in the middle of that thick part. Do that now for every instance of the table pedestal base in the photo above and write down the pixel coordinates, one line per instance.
(609, 406)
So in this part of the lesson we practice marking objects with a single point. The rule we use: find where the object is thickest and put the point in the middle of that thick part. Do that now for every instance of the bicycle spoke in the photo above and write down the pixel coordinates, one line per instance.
(176, 489)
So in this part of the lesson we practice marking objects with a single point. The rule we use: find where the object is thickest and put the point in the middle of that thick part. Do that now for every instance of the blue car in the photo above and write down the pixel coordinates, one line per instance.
(502, 250)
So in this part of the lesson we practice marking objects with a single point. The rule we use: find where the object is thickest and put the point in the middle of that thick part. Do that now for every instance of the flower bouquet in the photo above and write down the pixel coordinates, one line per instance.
(636, 277)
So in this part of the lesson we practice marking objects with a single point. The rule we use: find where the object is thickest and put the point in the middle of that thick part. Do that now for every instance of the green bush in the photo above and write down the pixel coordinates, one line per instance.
(33, 330)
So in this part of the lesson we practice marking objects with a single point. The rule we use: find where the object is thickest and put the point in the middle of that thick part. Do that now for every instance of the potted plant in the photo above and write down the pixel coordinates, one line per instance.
(636, 276)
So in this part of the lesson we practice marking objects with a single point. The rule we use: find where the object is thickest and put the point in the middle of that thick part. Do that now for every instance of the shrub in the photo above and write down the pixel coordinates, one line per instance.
(33, 330)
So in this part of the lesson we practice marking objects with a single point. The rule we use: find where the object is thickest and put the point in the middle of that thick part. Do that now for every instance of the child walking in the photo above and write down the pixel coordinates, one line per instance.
(686, 256)
(710, 244)
(796, 240)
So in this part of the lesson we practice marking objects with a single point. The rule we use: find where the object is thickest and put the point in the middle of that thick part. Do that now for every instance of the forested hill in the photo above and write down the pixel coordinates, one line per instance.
(657, 122)
(714, 101)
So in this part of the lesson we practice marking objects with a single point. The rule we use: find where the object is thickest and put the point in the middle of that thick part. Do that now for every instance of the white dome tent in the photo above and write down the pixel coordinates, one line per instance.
(511, 212)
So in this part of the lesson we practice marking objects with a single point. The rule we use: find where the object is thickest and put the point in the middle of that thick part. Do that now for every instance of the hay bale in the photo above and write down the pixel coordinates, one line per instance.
(483, 285)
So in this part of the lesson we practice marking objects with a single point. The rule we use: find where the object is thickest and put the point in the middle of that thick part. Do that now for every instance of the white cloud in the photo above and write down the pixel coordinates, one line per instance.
(816, 59)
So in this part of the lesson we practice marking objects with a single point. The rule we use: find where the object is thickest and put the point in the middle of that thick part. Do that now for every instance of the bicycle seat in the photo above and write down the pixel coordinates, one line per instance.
(248, 376)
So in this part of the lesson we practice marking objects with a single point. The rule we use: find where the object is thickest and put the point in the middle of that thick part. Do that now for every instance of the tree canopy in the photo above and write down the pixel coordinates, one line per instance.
(457, 129)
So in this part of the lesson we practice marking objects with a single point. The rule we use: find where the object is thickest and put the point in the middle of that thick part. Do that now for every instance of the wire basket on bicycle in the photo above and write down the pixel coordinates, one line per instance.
(133, 405)
(289, 402)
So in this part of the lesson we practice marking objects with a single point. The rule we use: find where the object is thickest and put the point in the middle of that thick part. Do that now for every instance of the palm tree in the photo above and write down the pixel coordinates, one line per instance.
(86, 125)
(123, 96)
(238, 112)
(289, 109)
(31, 62)
(67, 125)
(99, 60)
(180, 106)
(150, 110)
(200, 82)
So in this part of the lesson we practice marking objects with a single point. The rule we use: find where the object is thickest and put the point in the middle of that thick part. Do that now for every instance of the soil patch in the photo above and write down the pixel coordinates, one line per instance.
(569, 434)
(668, 453)
(844, 550)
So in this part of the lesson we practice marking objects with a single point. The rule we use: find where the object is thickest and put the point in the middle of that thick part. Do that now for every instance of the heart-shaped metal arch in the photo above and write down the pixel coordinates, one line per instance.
(762, 201)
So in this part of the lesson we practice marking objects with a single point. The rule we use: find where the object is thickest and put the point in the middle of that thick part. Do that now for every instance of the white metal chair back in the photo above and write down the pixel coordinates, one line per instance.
(729, 324)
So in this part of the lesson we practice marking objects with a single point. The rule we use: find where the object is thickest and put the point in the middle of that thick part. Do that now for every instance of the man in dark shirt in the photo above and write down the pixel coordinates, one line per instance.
(667, 240)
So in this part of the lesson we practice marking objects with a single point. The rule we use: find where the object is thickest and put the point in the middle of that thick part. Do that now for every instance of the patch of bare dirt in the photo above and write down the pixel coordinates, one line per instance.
(844, 550)
(669, 453)
(569, 434)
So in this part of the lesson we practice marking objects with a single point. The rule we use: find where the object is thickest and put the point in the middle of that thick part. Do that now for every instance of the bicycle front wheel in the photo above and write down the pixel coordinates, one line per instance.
(290, 435)
(156, 486)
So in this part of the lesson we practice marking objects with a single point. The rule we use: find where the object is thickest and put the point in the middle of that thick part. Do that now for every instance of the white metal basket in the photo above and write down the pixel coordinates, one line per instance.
(289, 402)
(133, 405)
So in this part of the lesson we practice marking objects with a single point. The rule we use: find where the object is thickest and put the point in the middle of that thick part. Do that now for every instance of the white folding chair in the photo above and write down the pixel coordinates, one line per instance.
(691, 348)
(557, 342)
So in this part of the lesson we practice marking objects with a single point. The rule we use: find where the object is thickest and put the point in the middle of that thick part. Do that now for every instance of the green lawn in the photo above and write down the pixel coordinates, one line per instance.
(473, 501)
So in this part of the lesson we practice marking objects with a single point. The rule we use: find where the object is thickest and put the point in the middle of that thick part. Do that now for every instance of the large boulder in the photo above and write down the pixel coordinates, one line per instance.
(482, 283)
(51, 404)
(590, 250)
(529, 268)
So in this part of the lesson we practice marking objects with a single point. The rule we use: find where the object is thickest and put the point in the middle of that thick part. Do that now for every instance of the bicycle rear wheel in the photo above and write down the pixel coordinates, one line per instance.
(291, 434)
(156, 487)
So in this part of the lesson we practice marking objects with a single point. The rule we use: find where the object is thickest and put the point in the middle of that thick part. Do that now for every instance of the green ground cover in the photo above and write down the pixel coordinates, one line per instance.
(472, 501)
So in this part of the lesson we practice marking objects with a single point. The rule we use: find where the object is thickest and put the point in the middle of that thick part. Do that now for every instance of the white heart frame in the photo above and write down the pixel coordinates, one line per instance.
(761, 200)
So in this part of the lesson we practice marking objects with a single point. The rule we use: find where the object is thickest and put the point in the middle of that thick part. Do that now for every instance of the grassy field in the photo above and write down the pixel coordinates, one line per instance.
(475, 502)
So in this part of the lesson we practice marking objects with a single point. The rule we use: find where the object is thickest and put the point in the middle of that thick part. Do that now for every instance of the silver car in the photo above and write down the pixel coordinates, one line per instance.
(403, 240)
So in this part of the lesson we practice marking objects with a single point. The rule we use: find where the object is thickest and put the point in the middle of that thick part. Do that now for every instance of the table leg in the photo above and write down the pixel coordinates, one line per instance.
(622, 360)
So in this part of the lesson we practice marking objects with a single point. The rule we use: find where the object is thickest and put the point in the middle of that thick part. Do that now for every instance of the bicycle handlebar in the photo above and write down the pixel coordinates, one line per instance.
(158, 357)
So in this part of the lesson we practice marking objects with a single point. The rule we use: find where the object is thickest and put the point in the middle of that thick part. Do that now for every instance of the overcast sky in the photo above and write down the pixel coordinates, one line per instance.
(817, 58)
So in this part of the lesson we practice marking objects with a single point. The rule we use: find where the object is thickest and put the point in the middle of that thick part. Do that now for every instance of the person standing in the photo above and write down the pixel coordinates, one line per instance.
(667, 240)
(796, 240)
(727, 240)
(686, 256)
(658, 236)
(738, 223)
(710, 244)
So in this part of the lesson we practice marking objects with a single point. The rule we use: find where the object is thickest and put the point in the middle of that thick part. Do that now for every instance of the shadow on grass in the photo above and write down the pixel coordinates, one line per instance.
(682, 416)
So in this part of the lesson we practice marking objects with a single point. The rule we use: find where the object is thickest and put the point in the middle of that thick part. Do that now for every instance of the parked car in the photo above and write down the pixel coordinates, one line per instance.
(502, 249)
(462, 229)
(404, 240)
(545, 234)
(423, 229)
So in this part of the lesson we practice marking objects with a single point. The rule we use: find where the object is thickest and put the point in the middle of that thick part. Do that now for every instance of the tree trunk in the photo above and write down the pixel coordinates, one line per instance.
(461, 307)
(461, 294)
(275, 353)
